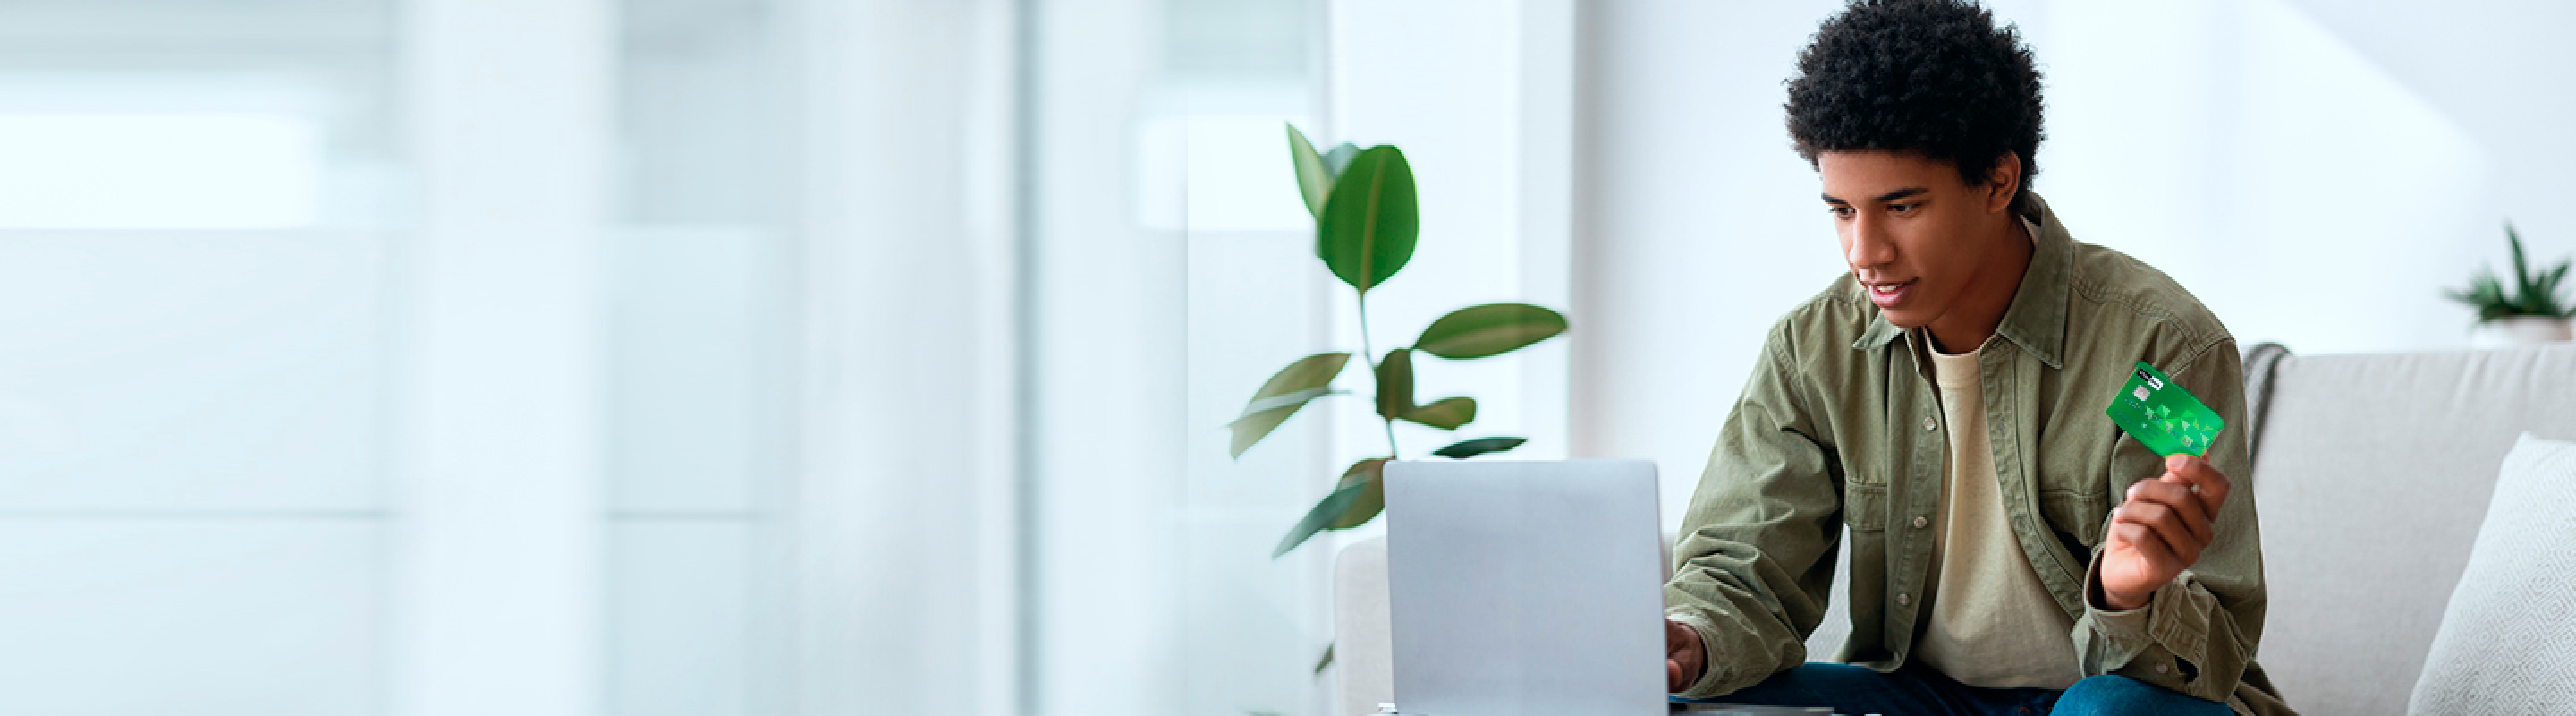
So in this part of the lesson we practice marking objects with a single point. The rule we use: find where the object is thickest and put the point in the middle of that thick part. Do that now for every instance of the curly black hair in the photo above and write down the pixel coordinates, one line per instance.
(1933, 77)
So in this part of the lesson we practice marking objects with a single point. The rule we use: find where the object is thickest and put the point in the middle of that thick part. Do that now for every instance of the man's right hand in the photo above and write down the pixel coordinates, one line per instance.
(1683, 657)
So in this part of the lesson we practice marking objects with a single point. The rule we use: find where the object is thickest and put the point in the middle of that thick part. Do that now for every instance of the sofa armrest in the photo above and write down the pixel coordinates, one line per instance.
(1363, 669)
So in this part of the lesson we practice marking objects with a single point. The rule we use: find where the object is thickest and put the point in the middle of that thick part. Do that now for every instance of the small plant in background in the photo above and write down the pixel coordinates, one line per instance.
(1366, 221)
(2532, 293)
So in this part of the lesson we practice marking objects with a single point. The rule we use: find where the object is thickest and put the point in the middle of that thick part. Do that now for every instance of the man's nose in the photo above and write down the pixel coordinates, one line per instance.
(1869, 245)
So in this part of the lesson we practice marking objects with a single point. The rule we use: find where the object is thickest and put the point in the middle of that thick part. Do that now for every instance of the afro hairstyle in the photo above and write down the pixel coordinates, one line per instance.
(1935, 78)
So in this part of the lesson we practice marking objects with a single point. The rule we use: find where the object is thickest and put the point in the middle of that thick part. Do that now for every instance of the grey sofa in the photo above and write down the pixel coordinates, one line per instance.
(2372, 472)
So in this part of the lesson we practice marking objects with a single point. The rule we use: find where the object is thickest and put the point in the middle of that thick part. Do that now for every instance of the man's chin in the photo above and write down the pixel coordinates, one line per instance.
(1905, 319)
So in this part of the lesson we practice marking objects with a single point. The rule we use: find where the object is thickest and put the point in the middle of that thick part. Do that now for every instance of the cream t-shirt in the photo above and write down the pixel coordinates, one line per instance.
(2015, 636)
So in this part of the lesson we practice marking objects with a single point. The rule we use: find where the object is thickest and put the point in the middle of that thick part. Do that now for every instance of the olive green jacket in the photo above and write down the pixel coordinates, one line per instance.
(1839, 432)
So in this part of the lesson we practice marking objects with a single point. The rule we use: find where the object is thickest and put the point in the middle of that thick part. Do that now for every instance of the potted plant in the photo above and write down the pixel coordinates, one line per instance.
(2527, 312)
(1366, 221)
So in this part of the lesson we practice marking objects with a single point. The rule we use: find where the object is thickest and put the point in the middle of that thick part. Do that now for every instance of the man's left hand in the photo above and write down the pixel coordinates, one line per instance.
(2160, 530)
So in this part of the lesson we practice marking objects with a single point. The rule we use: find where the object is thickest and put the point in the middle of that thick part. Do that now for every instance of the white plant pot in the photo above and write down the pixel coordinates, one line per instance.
(2518, 331)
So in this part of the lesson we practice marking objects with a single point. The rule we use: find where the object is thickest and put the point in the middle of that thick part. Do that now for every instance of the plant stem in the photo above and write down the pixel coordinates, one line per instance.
(1370, 354)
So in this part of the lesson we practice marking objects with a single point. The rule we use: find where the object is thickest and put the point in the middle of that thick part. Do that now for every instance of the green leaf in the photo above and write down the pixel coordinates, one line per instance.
(2523, 289)
(1314, 371)
(1264, 405)
(1395, 384)
(1313, 180)
(1250, 429)
(1286, 391)
(1445, 413)
(2549, 290)
(1370, 475)
(1370, 219)
(1464, 449)
(1323, 513)
(2492, 302)
(1338, 505)
(1489, 330)
(1326, 661)
(1395, 396)
(1340, 157)
(2487, 295)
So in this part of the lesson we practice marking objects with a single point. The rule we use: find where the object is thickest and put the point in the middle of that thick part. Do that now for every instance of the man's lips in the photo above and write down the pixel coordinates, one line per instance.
(1888, 294)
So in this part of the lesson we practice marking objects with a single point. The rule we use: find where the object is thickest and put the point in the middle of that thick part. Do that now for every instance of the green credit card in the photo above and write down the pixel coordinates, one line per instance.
(2161, 415)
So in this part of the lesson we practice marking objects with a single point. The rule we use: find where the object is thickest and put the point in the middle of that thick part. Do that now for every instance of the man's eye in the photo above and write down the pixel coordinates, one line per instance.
(1902, 208)
(1839, 211)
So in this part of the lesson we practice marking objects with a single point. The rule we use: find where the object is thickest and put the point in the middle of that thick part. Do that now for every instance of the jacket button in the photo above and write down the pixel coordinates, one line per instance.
(2161, 668)
(1919, 522)
(1902, 600)
(1928, 424)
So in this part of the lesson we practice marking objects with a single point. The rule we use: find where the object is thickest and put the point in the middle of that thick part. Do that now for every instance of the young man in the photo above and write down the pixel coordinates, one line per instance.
(1942, 407)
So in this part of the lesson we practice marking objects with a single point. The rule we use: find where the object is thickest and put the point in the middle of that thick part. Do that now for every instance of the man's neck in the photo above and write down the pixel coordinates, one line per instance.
(1967, 325)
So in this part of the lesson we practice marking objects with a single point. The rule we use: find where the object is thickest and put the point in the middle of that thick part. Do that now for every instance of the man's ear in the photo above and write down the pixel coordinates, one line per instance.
(2003, 182)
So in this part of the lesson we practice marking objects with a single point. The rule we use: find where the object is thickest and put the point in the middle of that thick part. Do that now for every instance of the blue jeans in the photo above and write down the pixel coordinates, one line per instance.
(1917, 689)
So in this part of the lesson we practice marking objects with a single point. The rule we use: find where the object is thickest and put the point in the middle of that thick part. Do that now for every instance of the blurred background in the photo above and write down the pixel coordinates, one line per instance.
(874, 356)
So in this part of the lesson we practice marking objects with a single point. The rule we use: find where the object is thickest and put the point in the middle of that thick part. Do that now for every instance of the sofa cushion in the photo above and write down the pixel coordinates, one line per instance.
(2507, 645)
(2372, 474)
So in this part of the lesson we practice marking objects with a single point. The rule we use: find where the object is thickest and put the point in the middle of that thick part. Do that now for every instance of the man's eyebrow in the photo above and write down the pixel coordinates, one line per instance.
(1902, 193)
(1882, 198)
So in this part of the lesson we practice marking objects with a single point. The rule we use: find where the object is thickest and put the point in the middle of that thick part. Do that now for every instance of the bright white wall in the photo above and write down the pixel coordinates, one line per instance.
(194, 416)
(191, 514)
(902, 595)
(1112, 366)
(2297, 189)
(2490, 67)
(2295, 179)
(509, 458)
(498, 558)
(697, 431)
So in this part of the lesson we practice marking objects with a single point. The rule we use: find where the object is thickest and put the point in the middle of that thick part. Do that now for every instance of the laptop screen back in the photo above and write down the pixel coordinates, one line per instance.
(1525, 588)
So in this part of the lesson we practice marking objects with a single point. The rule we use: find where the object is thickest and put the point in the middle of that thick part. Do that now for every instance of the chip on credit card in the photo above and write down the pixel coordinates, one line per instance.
(2164, 417)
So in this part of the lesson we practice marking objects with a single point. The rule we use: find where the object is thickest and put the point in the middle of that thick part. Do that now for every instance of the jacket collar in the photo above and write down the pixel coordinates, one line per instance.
(2036, 320)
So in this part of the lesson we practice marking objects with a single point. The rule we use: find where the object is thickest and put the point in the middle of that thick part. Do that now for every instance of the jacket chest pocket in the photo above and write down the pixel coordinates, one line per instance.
(1865, 506)
(2077, 512)
(2075, 504)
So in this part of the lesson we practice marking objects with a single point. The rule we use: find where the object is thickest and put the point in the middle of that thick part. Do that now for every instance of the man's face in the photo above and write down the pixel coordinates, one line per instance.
(1916, 236)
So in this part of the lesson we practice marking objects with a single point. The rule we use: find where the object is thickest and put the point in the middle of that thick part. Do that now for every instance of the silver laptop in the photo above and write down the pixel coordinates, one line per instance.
(1525, 588)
